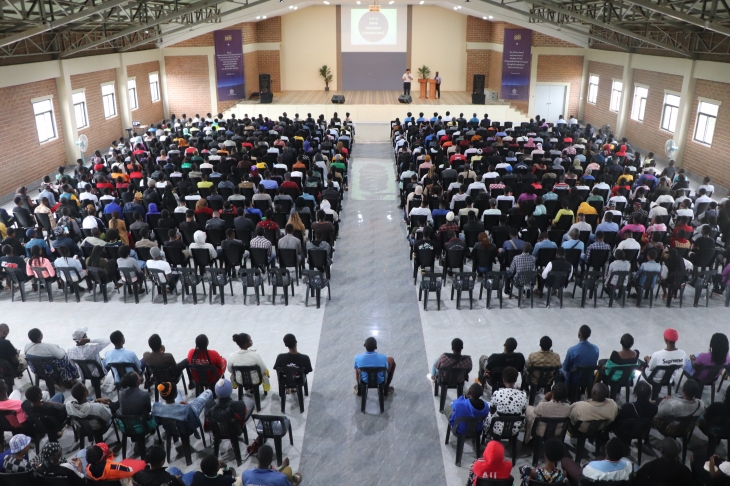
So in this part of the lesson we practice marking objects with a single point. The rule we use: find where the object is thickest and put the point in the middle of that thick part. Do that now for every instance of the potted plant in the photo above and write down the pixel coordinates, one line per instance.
(423, 74)
(326, 73)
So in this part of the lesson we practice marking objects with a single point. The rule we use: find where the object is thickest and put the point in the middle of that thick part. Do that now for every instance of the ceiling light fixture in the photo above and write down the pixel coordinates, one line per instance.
(454, 8)
(490, 17)
(263, 17)
(259, 17)
(484, 18)
(295, 8)
(391, 2)
(421, 2)
(291, 7)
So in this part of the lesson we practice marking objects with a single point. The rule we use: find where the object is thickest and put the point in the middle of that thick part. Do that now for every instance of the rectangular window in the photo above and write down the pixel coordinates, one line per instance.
(79, 100)
(592, 89)
(45, 121)
(616, 89)
(670, 112)
(110, 103)
(154, 87)
(639, 105)
(132, 90)
(706, 119)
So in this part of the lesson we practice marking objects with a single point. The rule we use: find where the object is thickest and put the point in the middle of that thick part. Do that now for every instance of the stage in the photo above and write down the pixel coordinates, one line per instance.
(373, 106)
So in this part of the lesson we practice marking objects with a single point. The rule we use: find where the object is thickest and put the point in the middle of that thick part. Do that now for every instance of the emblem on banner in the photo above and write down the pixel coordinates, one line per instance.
(228, 38)
(518, 37)
(231, 91)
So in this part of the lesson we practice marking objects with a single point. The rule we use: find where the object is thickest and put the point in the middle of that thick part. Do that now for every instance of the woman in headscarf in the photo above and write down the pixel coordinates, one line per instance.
(417, 196)
(51, 463)
(530, 143)
(152, 209)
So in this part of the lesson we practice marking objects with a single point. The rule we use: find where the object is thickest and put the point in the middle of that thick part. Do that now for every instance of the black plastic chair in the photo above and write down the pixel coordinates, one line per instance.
(472, 432)
(281, 277)
(650, 279)
(665, 380)
(711, 374)
(495, 482)
(172, 431)
(463, 282)
(202, 259)
(315, 282)
(588, 282)
(267, 425)
(637, 428)
(675, 284)
(424, 258)
(68, 282)
(717, 429)
(165, 374)
(508, 422)
(557, 280)
(16, 281)
(449, 378)
(205, 377)
(528, 284)
(218, 278)
(430, 282)
(585, 381)
(88, 368)
(618, 290)
(159, 282)
(288, 258)
(318, 259)
(18, 479)
(493, 281)
(242, 376)
(230, 430)
(554, 427)
(545, 378)
(45, 369)
(129, 273)
(626, 380)
(703, 281)
(251, 277)
(681, 428)
(596, 432)
(42, 282)
(291, 377)
(190, 281)
(128, 425)
(259, 258)
(100, 278)
(91, 428)
(362, 387)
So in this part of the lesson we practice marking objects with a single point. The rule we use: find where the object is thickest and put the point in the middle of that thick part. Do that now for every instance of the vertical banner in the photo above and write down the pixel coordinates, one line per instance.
(516, 57)
(229, 64)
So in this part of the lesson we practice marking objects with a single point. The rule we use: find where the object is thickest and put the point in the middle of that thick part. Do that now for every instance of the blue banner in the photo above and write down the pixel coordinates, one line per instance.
(229, 65)
(516, 57)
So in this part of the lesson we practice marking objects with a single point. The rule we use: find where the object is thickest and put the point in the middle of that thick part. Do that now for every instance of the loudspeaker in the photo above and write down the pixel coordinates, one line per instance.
(338, 99)
(478, 84)
(267, 97)
(478, 99)
(405, 99)
(264, 83)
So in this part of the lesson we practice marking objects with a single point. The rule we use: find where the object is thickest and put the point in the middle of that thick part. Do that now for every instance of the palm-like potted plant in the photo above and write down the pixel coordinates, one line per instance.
(423, 74)
(326, 73)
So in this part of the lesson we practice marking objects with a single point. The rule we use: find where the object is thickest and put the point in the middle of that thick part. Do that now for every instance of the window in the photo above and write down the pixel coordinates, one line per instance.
(670, 112)
(79, 100)
(616, 89)
(706, 119)
(107, 97)
(45, 121)
(639, 105)
(592, 89)
(155, 87)
(132, 90)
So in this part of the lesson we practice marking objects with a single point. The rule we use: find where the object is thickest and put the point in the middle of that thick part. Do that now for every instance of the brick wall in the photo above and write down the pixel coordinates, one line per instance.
(563, 69)
(478, 63)
(699, 158)
(478, 30)
(648, 134)
(269, 63)
(36, 160)
(599, 114)
(204, 40)
(188, 85)
(148, 112)
(251, 72)
(268, 30)
(100, 131)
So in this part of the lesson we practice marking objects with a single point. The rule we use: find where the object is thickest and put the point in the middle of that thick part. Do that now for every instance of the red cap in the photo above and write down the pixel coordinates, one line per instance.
(671, 335)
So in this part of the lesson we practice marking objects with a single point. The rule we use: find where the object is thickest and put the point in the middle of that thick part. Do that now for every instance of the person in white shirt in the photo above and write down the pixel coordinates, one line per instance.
(572, 120)
(629, 243)
(476, 185)
(685, 209)
(422, 211)
(506, 197)
(656, 210)
(701, 199)
(407, 78)
(664, 198)
(669, 356)
(709, 188)
(248, 357)
(438, 85)
(490, 175)
(158, 263)
(447, 118)
(561, 120)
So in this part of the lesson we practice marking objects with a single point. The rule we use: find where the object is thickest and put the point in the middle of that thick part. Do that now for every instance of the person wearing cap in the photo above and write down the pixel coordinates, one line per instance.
(186, 413)
(453, 361)
(158, 262)
(62, 238)
(87, 349)
(669, 356)
(17, 461)
(371, 359)
(102, 467)
(155, 473)
(226, 409)
(448, 226)
(34, 239)
(666, 470)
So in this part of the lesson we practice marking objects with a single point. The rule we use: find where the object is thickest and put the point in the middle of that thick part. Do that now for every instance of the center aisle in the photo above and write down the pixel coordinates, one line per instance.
(373, 295)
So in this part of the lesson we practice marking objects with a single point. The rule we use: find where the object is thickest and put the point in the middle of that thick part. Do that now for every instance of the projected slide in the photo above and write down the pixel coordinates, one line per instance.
(373, 28)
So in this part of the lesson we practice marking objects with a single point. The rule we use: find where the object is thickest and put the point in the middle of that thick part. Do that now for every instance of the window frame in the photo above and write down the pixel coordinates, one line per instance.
(132, 94)
(156, 90)
(593, 88)
(52, 112)
(642, 103)
(620, 95)
(673, 112)
(84, 106)
(113, 95)
(708, 116)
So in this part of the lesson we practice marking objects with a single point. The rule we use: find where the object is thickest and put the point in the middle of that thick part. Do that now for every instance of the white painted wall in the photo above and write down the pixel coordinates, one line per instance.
(432, 45)
(309, 41)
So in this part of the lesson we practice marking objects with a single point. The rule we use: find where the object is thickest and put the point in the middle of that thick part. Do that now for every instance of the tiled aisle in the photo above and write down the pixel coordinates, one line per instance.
(371, 297)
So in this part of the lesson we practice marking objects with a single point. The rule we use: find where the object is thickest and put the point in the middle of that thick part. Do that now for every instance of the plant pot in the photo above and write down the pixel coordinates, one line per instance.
(326, 88)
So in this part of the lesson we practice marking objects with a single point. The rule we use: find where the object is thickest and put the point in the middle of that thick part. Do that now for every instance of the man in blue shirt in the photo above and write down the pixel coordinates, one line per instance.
(374, 360)
(267, 182)
(113, 206)
(582, 354)
(36, 241)
(420, 119)
(265, 475)
(121, 355)
(474, 119)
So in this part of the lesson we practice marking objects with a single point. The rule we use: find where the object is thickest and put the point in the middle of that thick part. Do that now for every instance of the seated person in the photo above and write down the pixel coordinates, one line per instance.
(38, 349)
(53, 464)
(599, 407)
(370, 358)
(554, 405)
(672, 408)
(227, 409)
(154, 473)
(669, 356)
(213, 473)
(550, 473)
(246, 356)
(81, 406)
(492, 464)
(507, 401)
(545, 358)
(666, 470)
(265, 474)
(454, 360)
(13, 403)
(187, 414)
(470, 405)
(101, 465)
(716, 410)
(614, 467)
(17, 461)
(293, 357)
(134, 401)
(158, 356)
(717, 355)
(490, 368)
(201, 355)
(51, 412)
(618, 359)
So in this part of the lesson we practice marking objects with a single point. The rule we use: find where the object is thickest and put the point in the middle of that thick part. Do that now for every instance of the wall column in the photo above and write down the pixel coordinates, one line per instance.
(68, 119)
(533, 83)
(123, 95)
(627, 94)
(685, 111)
(213, 84)
(583, 89)
(163, 84)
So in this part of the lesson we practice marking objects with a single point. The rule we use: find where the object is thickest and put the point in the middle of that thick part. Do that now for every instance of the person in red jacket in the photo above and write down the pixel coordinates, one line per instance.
(201, 355)
(492, 465)
(101, 465)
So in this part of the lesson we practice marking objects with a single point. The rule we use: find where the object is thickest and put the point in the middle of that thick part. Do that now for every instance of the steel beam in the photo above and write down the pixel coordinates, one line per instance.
(160, 20)
(690, 19)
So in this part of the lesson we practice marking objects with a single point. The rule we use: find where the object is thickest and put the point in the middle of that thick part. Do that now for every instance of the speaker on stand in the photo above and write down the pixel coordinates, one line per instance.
(265, 88)
(477, 95)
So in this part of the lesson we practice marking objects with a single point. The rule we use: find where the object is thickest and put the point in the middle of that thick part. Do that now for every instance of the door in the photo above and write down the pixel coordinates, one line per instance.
(550, 101)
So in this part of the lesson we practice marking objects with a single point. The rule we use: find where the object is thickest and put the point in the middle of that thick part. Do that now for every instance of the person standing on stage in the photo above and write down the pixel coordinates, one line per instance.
(407, 78)
(438, 85)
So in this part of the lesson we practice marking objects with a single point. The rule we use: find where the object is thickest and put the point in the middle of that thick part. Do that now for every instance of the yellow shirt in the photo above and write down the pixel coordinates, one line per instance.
(564, 212)
(586, 208)
(205, 184)
(3, 231)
